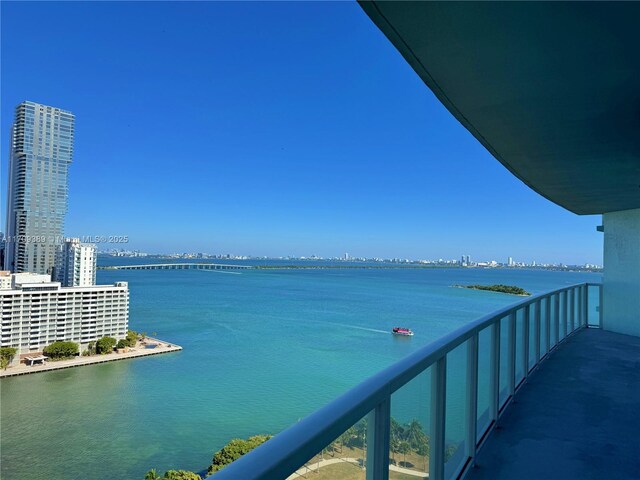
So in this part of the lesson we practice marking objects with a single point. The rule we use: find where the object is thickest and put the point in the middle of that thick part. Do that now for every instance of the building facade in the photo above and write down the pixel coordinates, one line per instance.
(35, 312)
(41, 151)
(75, 264)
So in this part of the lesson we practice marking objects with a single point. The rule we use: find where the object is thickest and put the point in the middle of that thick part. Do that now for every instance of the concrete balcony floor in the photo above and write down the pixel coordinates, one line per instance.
(578, 416)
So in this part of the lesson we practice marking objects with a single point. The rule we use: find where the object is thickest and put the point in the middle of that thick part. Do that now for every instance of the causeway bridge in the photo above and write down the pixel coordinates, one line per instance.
(177, 266)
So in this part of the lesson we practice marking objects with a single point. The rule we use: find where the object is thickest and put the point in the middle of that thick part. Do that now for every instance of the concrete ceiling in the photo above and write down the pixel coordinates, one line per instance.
(551, 89)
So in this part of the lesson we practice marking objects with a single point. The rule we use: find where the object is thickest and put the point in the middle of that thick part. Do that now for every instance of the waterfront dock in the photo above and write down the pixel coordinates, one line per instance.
(139, 351)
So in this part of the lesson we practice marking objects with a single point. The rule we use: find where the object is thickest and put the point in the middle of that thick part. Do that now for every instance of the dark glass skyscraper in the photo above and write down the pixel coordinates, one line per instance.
(41, 151)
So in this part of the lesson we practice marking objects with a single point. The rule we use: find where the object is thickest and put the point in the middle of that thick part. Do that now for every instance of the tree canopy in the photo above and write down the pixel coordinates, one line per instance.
(172, 475)
(105, 345)
(6, 356)
(234, 450)
(61, 350)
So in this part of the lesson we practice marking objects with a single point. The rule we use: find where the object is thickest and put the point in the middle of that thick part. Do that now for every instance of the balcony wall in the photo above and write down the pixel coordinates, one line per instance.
(621, 283)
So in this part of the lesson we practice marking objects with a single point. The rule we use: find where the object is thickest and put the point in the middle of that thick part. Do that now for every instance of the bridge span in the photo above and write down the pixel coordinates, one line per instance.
(177, 266)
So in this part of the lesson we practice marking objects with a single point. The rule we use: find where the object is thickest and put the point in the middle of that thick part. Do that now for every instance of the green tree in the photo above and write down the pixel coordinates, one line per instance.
(132, 338)
(6, 356)
(404, 448)
(181, 475)
(91, 348)
(424, 450)
(234, 450)
(105, 345)
(61, 350)
(414, 434)
(152, 475)
(396, 436)
(122, 344)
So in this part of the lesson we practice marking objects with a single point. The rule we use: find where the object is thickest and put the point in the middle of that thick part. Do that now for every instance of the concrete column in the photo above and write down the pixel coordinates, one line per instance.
(621, 302)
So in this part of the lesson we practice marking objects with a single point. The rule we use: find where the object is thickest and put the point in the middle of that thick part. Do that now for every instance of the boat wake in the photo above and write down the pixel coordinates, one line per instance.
(375, 330)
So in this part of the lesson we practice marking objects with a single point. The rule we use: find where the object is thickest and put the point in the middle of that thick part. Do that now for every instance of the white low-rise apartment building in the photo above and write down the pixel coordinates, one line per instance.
(36, 312)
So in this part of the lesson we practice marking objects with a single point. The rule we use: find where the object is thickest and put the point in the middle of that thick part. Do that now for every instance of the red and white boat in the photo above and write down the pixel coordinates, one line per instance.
(402, 331)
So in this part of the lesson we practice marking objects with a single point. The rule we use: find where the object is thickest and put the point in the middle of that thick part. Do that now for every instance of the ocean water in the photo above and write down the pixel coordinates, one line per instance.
(262, 349)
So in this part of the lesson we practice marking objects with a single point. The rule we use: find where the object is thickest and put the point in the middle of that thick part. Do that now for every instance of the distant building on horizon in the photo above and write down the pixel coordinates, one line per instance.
(75, 264)
(40, 153)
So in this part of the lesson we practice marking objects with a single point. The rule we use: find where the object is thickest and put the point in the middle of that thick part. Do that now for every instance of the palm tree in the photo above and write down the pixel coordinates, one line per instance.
(404, 448)
(424, 450)
(152, 475)
(414, 433)
(396, 434)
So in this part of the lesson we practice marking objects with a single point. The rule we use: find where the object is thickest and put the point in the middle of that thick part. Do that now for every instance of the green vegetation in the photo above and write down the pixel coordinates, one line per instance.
(105, 345)
(6, 356)
(132, 338)
(172, 475)
(511, 290)
(121, 344)
(234, 450)
(61, 350)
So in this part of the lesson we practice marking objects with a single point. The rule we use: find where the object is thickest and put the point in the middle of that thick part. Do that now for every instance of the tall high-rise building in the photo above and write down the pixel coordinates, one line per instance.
(41, 151)
(75, 264)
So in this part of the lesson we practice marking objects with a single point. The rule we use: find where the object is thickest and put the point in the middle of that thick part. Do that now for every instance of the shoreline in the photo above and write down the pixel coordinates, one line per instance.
(80, 361)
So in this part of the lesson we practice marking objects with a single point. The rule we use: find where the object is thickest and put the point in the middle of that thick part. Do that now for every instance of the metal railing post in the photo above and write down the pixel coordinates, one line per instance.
(511, 353)
(547, 323)
(572, 308)
(565, 314)
(556, 306)
(494, 373)
(600, 309)
(472, 396)
(438, 412)
(585, 305)
(378, 433)
(525, 340)
(536, 331)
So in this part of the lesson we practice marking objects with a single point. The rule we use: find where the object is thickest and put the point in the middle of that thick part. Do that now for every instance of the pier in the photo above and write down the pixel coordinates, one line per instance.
(139, 350)
(177, 266)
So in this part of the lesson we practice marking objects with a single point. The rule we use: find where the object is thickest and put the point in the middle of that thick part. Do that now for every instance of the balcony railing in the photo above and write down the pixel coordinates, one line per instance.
(461, 384)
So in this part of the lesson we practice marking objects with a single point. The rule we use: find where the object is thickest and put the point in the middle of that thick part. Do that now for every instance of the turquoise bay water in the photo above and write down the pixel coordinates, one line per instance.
(262, 349)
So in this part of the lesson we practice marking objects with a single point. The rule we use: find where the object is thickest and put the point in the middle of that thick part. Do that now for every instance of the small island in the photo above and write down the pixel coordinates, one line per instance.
(508, 289)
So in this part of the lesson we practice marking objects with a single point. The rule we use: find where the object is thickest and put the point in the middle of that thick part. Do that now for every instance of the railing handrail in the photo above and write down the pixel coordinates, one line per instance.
(287, 451)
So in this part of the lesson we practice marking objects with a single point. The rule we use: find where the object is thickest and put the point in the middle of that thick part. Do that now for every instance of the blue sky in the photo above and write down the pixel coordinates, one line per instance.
(266, 129)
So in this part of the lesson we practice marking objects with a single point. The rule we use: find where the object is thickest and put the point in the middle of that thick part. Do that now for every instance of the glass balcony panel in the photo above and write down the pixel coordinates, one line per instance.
(342, 459)
(520, 360)
(455, 448)
(544, 346)
(409, 442)
(533, 309)
(505, 330)
(484, 372)
(593, 308)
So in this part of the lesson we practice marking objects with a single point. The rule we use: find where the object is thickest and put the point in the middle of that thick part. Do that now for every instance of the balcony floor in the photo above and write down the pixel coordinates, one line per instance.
(577, 417)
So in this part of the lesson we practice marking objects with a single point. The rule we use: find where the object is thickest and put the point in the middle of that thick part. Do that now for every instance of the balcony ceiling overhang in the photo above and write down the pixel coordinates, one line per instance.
(551, 89)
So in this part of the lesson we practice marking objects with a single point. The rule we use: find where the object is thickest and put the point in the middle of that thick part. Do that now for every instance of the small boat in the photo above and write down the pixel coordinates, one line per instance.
(402, 331)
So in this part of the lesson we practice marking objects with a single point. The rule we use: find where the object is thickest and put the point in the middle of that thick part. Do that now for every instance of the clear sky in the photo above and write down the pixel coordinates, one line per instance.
(266, 129)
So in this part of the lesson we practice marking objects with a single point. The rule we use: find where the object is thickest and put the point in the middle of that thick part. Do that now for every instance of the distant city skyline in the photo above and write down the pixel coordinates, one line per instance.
(464, 261)
(265, 149)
